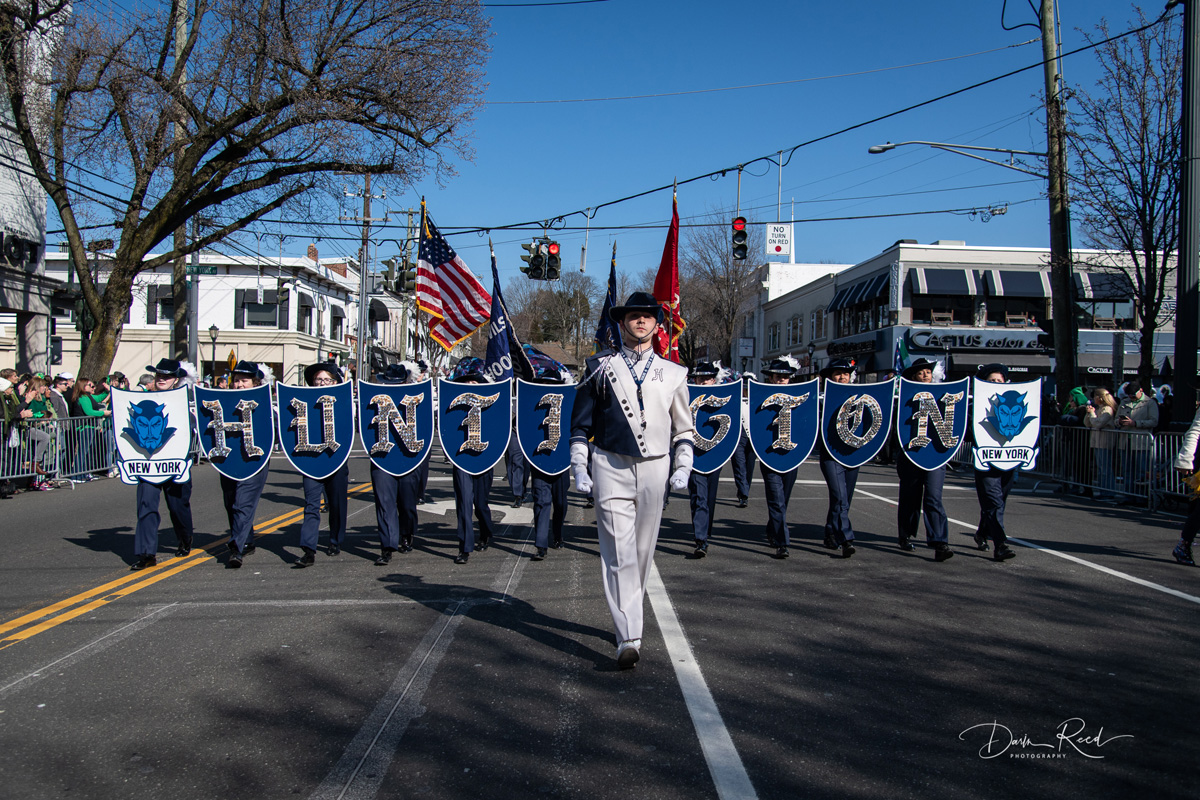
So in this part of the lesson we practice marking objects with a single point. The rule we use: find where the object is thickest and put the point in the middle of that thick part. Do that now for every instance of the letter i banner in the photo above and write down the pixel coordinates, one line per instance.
(1006, 422)
(856, 419)
(543, 417)
(783, 423)
(474, 423)
(396, 424)
(236, 429)
(154, 435)
(316, 427)
(931, 421)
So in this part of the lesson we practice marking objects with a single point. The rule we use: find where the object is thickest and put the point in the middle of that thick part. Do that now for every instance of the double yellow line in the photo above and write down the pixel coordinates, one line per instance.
(35, 622)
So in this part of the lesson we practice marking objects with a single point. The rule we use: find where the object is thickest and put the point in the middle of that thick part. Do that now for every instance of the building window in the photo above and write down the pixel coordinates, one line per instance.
(335, 328)
(1105, 314)
(928, 309)
(260, 315)
(773, 337)
(166, 310)
(818, 324)
(306, 319)
(793, 331)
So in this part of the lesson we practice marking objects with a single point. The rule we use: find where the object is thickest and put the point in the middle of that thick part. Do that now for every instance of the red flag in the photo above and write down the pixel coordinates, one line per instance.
(666, 291)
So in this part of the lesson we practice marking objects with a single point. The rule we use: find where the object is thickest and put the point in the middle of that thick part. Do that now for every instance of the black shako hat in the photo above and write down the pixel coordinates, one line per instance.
(310, 372)
(917, 366)
(394, 374)
(638, 301)
(167, 366)
(704, 370)
(248, 368)
(837, 365)
(987, 369)
(779, 367)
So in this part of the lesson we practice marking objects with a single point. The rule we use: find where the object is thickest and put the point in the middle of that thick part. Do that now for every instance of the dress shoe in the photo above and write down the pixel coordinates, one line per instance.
(847, 549)
(143, 562)
(307, 560)
(701, 549)
(981, 542)
(235, 560)
(1003, 553)
(185, 547)
(406, 545)
(517, 502)
(483, 543)
(1182, 553)
(538, 554)
(333, 550)
(385, 557)
(591, 503)
(743, 501)
(830, 542)
(942, 552)
(628, 653)
(556, 544)
(461, 558)
(904, 543)
(772, 542)
(249, 549)
(420, 501)
(782, 552)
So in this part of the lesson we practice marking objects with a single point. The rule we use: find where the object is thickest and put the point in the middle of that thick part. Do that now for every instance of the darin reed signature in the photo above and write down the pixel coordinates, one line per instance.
(1072, 736)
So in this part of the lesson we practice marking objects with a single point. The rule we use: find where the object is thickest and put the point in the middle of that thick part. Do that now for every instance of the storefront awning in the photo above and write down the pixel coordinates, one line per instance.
(861, 292)
(924, 280)
(1103, 286)
(305, 300)
(379, 310)
(1018, 364)
(337, 311)
(1101, 363)
(839, 299)
(1015, 283)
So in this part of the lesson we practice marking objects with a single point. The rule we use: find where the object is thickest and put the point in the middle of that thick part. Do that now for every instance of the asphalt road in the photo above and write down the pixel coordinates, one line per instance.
(885, 675)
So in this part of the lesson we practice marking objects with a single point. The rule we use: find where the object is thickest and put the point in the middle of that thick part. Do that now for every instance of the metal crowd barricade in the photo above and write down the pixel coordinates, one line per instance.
(1168, 492)
(57, 448)
(1115, 464)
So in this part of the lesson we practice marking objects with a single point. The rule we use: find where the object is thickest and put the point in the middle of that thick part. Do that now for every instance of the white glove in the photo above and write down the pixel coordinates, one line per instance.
(582, 481)
(679, 478)
(579, 455)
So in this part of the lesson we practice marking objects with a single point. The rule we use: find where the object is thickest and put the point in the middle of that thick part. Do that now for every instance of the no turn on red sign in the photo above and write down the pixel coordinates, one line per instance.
(779, 239)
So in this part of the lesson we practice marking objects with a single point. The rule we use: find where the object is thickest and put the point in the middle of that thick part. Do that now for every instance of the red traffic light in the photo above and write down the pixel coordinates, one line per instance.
(553, 248)
(739, 223)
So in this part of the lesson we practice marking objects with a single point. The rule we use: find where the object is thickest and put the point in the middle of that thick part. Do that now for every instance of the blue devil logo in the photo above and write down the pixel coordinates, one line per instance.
(147, 429)
(1007, 415)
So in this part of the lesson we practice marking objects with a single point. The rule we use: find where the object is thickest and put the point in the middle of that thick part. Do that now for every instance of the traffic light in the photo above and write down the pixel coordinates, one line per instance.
(389, 280)
(553, 262)
(536, 259)
(739, 238)
(406, 280)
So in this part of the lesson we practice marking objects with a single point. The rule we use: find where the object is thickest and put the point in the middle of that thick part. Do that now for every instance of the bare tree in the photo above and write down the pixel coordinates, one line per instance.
(1124, 141)
(229, 108)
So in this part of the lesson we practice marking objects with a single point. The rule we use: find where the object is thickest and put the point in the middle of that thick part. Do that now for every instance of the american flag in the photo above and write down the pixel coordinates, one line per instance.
(446, 290)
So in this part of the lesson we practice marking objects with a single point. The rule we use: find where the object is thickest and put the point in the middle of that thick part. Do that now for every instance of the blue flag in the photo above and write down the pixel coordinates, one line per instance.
(608, 336)
(504, 353)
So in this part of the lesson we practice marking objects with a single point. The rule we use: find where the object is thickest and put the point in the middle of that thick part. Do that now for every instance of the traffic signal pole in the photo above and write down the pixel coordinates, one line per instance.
(1187, 313)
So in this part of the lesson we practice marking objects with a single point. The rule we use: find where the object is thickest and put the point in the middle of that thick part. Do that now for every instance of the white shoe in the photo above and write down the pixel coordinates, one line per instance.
(627, 653)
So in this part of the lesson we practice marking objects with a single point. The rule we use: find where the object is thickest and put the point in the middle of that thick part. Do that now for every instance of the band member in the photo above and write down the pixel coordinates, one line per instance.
(423, 470)
(778, 485)
(743, 455)
(395, 496)
(702, 489)
(516, 468)
(839, 480)
(921, 490)
(471, 491)
(549, 491)
(992, 487)
(168, 374)
(241, 497)
(335, 488)
(1186, 466)
(634, 406)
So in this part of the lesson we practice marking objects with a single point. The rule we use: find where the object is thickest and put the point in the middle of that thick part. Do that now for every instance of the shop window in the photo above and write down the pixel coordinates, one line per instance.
(793, 331)
(942, 309)
(773, 337)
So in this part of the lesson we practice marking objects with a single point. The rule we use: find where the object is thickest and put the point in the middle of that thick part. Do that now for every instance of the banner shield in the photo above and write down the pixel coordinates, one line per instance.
(931, 421)
(395, 422)
(717, 417)
(316, 427)
(235, 429)
(543, 415)
(154, 435)
(783, 423)
(1005, 424)
(474, 423)
(856, 419)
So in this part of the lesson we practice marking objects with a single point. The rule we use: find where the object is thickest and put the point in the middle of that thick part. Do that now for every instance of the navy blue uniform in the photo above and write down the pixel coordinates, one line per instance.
(471, 494)
(516, 468)
(840, 482)
(335, 489)
(395, 507)
(743, 466)
(778, 487)
(921, 490)
(241, 501)
(179, 506)
(992, 487)
(702, 490)
(549, 506)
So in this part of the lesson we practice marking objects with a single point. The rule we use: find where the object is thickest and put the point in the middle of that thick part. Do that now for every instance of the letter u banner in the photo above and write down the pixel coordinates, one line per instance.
(717, 417)
(856, 419)
(543, 412)
(396, 424)
(931, 421)
(783, 423)
(316, 427)
(474, 423)
(236, 429)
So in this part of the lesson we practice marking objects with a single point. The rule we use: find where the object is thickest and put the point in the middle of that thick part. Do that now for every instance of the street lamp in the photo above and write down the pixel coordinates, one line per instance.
(213, 330)
(812, 348)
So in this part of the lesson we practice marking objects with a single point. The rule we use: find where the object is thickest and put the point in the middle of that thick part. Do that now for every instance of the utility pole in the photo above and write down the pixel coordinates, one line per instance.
(1187, 313)
(1061, 284)
(363, 353)
(180, 348)
(406, 261)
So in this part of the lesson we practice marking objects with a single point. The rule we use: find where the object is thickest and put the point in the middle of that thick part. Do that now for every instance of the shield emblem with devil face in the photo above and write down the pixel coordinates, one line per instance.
(783, 423)
(543, 416)
(931, 421)
(236, 429)
(1006, 421)
(474, 422)
(717, 417)
(395, 422)
(316, 427)
(154, 435)
(856, 419)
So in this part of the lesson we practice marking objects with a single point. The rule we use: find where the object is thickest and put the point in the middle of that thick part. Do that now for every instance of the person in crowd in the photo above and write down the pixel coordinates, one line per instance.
(36, 407)
(241, 497)
(59, 390)
(89, 414)
(1166, 403)
(1186, 464)
(146, 383)
(778, 485)
(1138, 413)
(1100, 416)
(118, 381)
(471, 491)
(549, 491)
(168, 374)
(743, 459)
(921, 490)
(395, 496)
(839, 480)
(702, 489)
(1072, 412)
(635, 407)
(992, 487)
